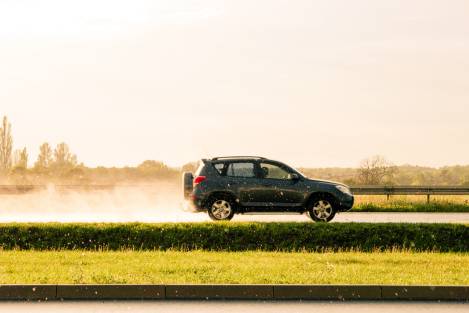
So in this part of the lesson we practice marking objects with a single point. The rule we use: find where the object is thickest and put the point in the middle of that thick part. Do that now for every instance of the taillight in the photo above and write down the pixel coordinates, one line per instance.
(199, 179)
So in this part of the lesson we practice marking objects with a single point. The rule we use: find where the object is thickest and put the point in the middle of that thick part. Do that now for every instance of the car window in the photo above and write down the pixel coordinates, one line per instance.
(240, 169)
(271, 171)
(219, 167)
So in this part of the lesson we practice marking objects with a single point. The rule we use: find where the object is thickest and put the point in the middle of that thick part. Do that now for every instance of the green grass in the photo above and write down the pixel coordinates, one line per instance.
(254, 267)
(411, 204)
(408, 206)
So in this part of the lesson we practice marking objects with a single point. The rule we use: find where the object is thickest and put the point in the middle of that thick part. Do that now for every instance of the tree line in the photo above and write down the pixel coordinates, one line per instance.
(60, 166)
(378, 171)
(59, 159)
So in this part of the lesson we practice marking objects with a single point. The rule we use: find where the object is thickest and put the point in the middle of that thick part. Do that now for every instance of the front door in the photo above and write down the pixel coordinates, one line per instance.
(277, 189)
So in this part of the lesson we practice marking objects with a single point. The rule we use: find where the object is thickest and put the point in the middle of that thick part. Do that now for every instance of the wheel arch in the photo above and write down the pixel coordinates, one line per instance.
(318, 194)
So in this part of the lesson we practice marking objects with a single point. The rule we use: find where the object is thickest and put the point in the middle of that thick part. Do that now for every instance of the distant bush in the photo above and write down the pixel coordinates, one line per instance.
(237, 236)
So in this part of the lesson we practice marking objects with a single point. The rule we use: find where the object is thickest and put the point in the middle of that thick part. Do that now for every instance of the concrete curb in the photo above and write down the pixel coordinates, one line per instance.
(233, 292)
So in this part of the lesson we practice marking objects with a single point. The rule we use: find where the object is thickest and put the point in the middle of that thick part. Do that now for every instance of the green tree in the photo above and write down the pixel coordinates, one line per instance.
(6, 145)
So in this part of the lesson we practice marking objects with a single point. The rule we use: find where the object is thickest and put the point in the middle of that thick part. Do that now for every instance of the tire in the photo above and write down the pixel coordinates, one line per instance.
(187, 179)
(322, 208)
(220, 208)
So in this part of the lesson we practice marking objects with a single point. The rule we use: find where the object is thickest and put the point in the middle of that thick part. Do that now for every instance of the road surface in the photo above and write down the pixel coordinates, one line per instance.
(366, 217)
(233, 306)
(116, 215)
(160, 205)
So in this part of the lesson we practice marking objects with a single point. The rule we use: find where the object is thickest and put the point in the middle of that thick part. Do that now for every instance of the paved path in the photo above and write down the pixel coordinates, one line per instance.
(233, 306)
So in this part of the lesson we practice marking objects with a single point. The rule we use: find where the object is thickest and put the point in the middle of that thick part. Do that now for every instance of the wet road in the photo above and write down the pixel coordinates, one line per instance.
(162, 205)
(177, 216)
(365, 217)
(234, 306)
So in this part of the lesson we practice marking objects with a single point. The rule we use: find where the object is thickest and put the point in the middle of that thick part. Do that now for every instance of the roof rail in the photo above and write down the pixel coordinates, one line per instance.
(238, 157)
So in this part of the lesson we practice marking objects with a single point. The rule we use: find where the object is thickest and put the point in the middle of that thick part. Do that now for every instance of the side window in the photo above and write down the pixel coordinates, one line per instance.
(219, 167)
(240, 170)
(271, 171)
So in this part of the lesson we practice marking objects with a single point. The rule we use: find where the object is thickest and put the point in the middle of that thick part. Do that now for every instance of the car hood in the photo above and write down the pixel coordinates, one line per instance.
(327, 182)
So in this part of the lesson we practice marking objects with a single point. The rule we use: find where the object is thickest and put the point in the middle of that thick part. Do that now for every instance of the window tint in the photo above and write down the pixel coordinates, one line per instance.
(272, 171)
(240, 170)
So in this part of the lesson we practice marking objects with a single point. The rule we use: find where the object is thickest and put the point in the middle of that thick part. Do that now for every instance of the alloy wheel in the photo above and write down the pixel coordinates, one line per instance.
(221, 209)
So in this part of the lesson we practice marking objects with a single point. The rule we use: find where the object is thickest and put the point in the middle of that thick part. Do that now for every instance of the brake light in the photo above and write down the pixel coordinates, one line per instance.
(199, 179)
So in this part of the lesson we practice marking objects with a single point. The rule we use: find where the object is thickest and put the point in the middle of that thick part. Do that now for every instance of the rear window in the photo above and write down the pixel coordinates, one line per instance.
(240, 170)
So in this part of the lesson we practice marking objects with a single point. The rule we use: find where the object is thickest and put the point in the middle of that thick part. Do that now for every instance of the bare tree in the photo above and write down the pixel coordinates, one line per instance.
(6, 145)
(63, 158)
(376, 171)
(45, 157)
(20, 159)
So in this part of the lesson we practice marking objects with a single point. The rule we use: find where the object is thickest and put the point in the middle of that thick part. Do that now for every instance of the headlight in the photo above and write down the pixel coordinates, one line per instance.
(344, 189)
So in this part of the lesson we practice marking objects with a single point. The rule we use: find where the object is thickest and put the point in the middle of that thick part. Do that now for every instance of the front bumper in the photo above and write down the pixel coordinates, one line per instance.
(346, 203)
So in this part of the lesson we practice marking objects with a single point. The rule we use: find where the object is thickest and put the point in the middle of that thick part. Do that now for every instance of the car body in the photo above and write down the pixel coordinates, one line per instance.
(259, 185)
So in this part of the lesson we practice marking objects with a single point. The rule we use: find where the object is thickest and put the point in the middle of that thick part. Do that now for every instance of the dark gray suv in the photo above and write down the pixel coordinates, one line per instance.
(225, 186)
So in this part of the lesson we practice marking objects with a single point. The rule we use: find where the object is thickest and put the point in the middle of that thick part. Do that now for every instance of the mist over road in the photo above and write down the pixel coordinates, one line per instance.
(161, 203)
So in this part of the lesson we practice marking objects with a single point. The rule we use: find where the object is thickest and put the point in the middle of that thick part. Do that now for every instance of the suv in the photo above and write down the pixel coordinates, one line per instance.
(225, 186)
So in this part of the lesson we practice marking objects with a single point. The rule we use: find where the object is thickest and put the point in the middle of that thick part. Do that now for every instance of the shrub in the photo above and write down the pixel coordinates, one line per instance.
(237, 236)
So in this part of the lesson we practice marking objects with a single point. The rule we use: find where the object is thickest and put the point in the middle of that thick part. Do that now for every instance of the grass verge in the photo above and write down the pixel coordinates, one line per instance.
(407, 206)
(411, 203)
(254, 267)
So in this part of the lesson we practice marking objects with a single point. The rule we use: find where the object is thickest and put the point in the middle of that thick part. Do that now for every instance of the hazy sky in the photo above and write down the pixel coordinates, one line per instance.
(312, 83)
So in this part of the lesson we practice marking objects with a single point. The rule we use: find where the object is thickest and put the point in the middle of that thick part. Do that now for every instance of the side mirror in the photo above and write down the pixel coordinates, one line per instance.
(294, 176)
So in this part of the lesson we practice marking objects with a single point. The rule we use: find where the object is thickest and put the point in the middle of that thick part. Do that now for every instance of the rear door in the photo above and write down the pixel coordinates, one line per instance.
(242, 179)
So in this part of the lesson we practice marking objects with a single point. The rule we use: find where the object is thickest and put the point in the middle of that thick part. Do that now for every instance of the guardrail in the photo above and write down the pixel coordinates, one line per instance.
(411, 190)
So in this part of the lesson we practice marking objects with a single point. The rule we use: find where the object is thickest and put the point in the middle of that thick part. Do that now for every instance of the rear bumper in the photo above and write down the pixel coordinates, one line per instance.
(193, 204)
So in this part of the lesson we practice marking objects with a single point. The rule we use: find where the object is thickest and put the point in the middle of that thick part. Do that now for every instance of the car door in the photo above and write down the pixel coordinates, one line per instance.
(242, 179)
(277, 189)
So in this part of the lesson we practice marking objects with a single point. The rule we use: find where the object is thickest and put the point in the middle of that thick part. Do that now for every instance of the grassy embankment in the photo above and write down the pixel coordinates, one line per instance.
(443, 204)
(257, 253)
(253, 267)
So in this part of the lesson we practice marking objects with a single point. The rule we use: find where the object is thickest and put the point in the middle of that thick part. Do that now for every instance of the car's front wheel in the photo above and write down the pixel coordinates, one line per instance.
(220, 209)
(321, 209)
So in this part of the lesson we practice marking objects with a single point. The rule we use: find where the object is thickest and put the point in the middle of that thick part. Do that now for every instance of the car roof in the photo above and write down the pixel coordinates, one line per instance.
(239, 157)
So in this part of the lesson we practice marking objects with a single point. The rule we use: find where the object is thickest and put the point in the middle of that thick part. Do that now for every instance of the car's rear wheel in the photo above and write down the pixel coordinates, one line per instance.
(322, 209)
(220, 209)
